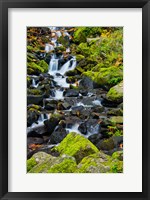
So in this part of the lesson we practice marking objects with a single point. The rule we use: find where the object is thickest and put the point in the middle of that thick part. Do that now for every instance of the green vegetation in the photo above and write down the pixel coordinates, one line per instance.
(77, 146)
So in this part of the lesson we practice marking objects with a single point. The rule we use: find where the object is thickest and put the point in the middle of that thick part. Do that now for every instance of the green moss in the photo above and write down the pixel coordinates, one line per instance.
(114, 131)
(76, 145)
(116, 120)
(50, 164)
(68, 165)
(34, 92)
(117, 167)
(94, 163)
(30, 48)
(43, 166)
(79, 57)
(118, 155)
(107, 144)
(31, 163)
(43, 65)
(35, 68)
(116, 93)
(105, 76)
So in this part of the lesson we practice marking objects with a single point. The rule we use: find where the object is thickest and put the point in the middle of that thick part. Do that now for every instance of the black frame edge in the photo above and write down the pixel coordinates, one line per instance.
(4, 194)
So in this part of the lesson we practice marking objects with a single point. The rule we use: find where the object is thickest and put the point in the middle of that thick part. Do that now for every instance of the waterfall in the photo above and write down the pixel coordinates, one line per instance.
(66, 67)
(53, 65)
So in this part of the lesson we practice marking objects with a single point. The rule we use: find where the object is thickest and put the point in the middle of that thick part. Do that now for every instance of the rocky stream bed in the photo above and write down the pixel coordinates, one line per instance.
(74, 113)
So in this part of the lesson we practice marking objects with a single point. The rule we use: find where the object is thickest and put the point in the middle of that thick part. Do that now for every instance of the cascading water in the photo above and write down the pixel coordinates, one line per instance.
(53, 65)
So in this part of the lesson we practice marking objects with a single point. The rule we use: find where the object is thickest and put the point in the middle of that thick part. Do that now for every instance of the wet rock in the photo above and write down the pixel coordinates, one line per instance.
(32, 116)
(93, 126)
(77, 108)
(71, 93)
(63, 106)
(82, 128)
(39, 129)
(57, 136)
(35, 99)
(108, 103)
(86, 83)
(106, 144)
(51, 104)
(52, 122)
(98, 109)
(34, 140)
(84, 92)
(95, 138)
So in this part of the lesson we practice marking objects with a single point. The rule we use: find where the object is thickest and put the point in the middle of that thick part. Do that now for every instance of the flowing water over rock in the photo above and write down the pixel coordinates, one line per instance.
(81, 109)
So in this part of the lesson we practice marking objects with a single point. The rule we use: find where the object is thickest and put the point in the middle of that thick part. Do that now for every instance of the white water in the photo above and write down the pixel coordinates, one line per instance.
(97, 102)
(74, 128)
(93, 130)
(48, 47)
(58, 95)
(66, 67)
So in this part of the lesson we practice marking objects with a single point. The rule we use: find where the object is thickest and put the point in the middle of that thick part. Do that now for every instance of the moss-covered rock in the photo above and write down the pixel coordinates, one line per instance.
(118, 155)
(37, 67)
(63, 164)
(106, 76)
(31, 163)
(115, 93)
(43, 65)
(77, 146)
(116, 120)
(36, 159)
(53, 122)
(100, 163)
(94, 164)
(34, 92)
(107, 144)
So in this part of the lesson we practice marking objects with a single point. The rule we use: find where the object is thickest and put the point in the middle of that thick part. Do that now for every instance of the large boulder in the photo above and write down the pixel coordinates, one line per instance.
(100, 163)
(77, 146)
(115, 94)
(50, 164)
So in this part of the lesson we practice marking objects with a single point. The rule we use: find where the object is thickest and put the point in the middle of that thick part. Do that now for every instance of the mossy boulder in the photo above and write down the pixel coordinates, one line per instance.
(94, 164)
(36, 159)
(31, 163)
(115, 93)
(107, 144)
(63, 164)
(106, 77)
(77, 146)
(116, 120)
(99, 163)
